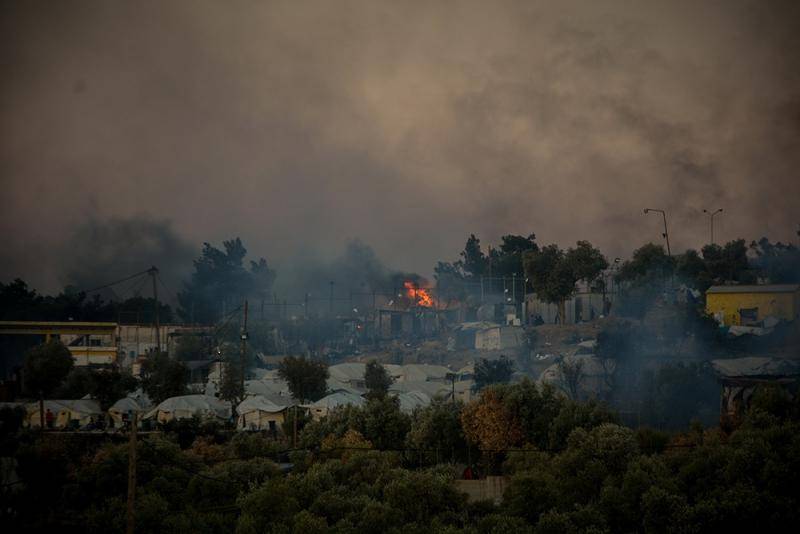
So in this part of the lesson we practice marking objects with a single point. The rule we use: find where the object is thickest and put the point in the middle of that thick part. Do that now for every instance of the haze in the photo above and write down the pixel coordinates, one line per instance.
(131, 130)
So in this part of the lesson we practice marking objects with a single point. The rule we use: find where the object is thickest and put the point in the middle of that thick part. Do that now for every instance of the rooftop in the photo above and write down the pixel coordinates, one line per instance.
(773, 288)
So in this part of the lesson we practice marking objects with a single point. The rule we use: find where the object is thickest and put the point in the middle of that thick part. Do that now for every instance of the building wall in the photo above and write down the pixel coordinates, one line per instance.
(727, 305)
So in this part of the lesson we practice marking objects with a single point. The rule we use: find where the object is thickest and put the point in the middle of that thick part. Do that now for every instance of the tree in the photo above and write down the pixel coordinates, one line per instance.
(489, 423)
(306, 378)
(473, 261)
(438, 426)
(489, 372)
(647, 260)
(778, 262)
(231, 388)
(106, 386)
(220, 282)
(163, 377)
(554, 273)
(45, 367)
(571, 372)
(728, 262)
(376, 379)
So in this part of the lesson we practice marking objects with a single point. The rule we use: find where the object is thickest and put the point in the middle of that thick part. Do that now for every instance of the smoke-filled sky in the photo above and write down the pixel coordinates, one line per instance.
(300, 125)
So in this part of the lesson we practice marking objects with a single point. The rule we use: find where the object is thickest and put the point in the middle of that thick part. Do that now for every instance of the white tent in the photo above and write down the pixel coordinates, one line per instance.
(189, 405)
(322, 407)
(128, 405)
(259, 413)
(422, 372)
(411, 400)
(64, 411)
(591, 375)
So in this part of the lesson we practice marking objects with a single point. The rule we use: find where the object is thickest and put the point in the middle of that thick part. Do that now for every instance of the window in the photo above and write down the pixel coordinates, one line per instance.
(748, 316)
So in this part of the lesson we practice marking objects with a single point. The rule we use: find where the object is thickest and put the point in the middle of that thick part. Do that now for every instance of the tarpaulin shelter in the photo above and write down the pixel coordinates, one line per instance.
(259, 413)
(187, 406)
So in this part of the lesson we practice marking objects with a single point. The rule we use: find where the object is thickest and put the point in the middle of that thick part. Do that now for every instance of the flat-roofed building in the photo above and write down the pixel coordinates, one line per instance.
(750, 304)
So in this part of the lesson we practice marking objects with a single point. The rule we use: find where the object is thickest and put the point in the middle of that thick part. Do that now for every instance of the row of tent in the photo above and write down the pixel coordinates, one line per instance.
(256, 412)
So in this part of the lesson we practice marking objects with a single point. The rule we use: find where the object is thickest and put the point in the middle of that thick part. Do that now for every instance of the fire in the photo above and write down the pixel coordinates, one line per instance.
(418, 295)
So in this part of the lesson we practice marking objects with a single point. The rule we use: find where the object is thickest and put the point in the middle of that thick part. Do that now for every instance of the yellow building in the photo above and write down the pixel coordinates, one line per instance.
(749, 305)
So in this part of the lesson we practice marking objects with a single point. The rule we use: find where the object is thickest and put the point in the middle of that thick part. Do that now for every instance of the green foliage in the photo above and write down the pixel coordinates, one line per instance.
(107, 386)
(45, 367)
(220, 278)
(376, 379)
(19, 303)
(647, 260)
(489, 372)
(554, 273)
(438, 426)
(306, 378)
(678, 393)
(598, 477)
(190, 347)
(163, 377)
(778, 262)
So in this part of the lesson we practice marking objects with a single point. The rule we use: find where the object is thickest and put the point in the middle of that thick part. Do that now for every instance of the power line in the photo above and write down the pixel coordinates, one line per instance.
(131, 277)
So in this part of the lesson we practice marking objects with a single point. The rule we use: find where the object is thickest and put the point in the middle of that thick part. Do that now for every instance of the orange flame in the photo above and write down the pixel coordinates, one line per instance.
(419, 296)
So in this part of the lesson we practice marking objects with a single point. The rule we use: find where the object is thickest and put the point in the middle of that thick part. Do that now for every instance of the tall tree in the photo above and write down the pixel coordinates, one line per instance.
(649, 259)
(778, 262)
(473, 262)
(489, 372)
(44, 369)
(307, 379)
(728, 262)
(376, 379)
(554, 272)
(221, 281)
(163, 377)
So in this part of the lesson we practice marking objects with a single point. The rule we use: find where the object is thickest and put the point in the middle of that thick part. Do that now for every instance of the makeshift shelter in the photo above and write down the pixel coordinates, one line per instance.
(431, 389)
(411, 400)
(351, 374)
(187, 406)
(66, 413)
(325, 405)
(259, 413)
(126, 407)
(740, 377)
(584, 375)
(421, 372)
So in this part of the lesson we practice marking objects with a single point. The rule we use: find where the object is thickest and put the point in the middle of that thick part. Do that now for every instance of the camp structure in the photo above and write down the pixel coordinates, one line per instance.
(66, 413)
(187, 406)
(740, 377)
(125, 407)
(581, 376)
(322, 407)
(411, 400)
(259, 413)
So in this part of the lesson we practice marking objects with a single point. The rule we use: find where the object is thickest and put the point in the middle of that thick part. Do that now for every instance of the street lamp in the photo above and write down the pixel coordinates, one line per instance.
(712, 213)
(666, 233)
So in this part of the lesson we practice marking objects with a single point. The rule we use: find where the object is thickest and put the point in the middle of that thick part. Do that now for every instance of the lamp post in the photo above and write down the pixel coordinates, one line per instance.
(666, 233)
(712, 213)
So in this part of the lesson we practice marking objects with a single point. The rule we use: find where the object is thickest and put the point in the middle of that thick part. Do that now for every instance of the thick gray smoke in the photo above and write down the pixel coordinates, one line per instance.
(356, 273)
(407, 124)
(103, 251)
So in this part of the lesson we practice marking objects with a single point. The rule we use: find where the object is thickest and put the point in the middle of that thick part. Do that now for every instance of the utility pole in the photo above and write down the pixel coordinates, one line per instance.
(330, 306)
(153, 272)
(719, 210)
(666, 233)
(243, 350)
(132, 474)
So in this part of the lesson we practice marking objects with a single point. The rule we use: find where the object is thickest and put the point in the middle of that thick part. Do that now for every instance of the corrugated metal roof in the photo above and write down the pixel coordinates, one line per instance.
(773, 288)
(753, 366)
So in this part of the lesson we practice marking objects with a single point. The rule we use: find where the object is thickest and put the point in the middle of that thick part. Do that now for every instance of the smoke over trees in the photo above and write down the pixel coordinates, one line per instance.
(220, 283)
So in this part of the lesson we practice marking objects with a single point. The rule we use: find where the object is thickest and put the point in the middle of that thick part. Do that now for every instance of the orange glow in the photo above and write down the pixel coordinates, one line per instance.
(419, 296)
